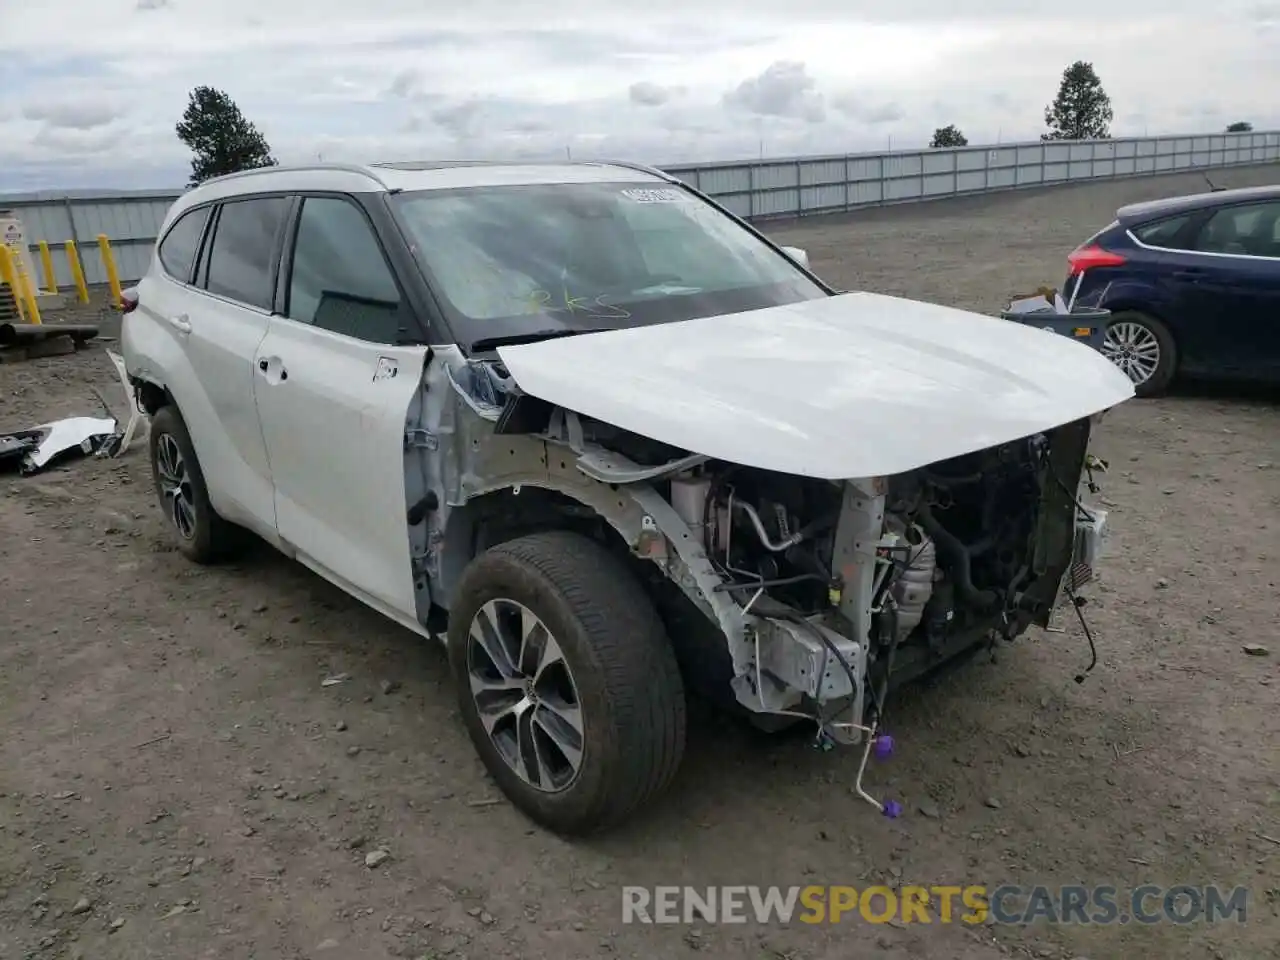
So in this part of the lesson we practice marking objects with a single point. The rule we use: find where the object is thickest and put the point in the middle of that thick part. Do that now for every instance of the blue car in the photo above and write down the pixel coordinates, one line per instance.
(1193, 286)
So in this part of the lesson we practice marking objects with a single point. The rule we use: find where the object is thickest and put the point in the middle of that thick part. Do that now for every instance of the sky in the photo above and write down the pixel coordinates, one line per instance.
(90, 90)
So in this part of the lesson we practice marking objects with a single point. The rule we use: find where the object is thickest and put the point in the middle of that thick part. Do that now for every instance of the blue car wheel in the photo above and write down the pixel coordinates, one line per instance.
(1142, 347)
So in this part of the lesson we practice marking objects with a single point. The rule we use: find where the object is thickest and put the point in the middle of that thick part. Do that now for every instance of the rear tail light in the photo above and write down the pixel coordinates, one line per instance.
(128, 300)
(1090, 257)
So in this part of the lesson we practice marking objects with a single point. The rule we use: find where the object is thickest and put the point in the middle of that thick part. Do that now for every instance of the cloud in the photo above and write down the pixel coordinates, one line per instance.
(870, 113)
(72, 114)
(783, 90)
(1006, 103)
(459, 120)
(405, 84)
(649, 94)
(74, 141)
(1203, 111)
(400, 79)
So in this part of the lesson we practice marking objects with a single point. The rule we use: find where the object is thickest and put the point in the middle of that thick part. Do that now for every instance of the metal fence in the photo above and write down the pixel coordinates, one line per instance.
(129, 218)
(757, 189)
(811, 185)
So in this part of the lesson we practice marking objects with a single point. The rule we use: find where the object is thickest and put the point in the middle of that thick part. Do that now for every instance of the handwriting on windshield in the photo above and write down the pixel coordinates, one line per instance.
(544, 301)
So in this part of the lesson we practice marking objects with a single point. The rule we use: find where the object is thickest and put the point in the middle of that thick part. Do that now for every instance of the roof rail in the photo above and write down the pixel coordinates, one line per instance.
(640, 167)
(415, 166)
(299, 168)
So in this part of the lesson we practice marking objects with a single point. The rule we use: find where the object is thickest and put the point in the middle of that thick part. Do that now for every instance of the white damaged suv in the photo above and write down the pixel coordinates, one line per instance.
(611, 444)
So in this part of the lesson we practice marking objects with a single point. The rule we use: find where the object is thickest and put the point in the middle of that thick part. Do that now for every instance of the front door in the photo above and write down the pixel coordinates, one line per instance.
(1228, 286)
(333, 391)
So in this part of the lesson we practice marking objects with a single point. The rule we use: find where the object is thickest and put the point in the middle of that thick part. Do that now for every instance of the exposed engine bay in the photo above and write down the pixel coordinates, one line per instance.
(819, 596)
(965, 551)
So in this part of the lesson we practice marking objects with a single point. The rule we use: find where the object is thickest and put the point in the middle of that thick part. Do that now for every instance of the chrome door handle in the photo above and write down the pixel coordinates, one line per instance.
(180, 323)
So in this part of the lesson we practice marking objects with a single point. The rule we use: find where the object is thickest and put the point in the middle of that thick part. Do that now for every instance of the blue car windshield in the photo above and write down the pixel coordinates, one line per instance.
(517, 260)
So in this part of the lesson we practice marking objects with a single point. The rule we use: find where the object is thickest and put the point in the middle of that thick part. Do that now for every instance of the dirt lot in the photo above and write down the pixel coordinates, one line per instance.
(175, 781)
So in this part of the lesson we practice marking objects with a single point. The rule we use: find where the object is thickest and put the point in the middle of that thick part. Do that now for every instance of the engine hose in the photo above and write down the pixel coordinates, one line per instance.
(959, 556)
(814, 526)
(880, 693)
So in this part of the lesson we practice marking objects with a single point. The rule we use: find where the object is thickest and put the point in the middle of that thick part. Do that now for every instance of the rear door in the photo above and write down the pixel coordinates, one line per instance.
(213, 302)
(334, 380)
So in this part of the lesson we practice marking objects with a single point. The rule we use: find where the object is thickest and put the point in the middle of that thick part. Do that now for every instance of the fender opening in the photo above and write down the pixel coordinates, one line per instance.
(505, 515)
(152, 397)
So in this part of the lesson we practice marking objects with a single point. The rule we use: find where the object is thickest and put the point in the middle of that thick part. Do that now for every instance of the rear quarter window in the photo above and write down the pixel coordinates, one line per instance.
(1162, 233)
(178, 248)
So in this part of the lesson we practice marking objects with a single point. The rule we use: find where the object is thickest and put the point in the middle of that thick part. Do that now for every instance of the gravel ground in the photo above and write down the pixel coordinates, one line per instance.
(176, 782)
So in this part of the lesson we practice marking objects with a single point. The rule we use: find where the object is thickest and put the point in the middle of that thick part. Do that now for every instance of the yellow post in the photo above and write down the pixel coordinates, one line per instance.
(109, 264)
(46, 263)
(77, 272)
(27, 288)
(10, 278)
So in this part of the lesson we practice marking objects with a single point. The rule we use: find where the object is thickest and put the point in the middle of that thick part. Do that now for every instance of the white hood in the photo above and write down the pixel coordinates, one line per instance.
(856, 385)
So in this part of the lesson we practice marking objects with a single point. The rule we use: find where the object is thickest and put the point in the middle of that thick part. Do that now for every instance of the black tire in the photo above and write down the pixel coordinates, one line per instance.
(210, 537)
(623, 667)
(1167, 366)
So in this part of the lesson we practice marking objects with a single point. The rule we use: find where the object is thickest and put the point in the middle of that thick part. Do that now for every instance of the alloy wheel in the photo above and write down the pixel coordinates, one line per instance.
(175, 486)
(1134, 349)
(525, 695)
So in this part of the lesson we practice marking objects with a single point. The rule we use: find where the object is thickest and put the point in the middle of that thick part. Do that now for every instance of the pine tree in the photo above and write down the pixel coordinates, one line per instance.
(1082, 109)
(219, 136)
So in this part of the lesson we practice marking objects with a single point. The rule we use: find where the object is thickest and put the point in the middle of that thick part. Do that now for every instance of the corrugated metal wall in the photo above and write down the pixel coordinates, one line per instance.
(809, 185)
(130, 219)
(759, 190)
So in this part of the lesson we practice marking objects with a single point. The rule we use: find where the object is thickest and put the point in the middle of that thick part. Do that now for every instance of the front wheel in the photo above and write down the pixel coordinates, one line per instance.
(566, 680)
(1143, 348)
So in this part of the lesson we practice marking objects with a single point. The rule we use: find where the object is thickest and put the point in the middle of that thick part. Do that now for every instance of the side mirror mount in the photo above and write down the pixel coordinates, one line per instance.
(797, 254)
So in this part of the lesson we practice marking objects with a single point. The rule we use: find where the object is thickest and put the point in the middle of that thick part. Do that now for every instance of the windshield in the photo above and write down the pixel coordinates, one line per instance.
(534, 259)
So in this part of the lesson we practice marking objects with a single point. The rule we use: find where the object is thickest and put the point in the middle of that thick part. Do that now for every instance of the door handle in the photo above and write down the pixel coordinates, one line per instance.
(264, 366)
(180, 323)
(1191, 275)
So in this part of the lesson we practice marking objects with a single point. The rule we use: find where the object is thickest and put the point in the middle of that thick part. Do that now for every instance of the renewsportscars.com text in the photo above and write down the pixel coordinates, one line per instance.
(969, 904)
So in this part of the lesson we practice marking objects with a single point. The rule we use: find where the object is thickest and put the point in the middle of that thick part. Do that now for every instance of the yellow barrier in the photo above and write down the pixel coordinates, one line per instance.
(46, 264)
(9, 276)
(77, 272)
(27, 289)
(109, 265)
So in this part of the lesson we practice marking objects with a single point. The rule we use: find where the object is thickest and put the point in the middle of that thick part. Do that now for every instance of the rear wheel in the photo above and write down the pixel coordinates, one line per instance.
(566, 680)
(201, 534)
(1142, 347)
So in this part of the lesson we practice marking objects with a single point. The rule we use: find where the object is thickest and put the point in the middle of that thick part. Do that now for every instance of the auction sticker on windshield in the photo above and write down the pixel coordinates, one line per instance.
(656, 195)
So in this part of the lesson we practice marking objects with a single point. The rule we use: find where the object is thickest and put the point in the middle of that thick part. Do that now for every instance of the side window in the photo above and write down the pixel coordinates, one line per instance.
(1249, 229)
(340, 280)
(242, 258)
(178, 248)
(1162, 233)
